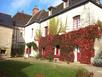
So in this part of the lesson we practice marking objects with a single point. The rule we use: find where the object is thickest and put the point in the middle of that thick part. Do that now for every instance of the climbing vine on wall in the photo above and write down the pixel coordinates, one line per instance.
(83, 38)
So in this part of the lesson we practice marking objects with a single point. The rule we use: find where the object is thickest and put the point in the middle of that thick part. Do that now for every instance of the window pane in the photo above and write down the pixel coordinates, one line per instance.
(76, 22)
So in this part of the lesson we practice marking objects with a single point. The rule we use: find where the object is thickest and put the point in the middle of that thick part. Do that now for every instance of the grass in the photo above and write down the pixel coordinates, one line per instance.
(13, 68)
(24, 69)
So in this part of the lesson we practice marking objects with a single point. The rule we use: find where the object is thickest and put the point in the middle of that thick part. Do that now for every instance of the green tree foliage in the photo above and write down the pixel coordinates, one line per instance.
(32, 44)
(99, 23)
(38, 33)
(56, 26)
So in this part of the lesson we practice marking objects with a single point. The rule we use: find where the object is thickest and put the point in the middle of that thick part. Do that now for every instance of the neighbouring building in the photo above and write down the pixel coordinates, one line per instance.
(75, 15)
(19, 21)
(6, 31)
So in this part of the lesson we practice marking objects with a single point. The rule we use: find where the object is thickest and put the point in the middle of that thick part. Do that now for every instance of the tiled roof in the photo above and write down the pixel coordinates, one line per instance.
(5, 20)
(21, 19)
(57, 10)
(72, 4)
(38, 17)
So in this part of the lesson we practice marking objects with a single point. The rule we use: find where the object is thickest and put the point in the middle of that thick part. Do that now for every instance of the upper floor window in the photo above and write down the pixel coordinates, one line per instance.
(21, 34)
(46, 30)
(76, 22)
(32, 32)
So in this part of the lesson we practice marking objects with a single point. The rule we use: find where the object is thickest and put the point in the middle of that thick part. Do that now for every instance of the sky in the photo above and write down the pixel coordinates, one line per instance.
(11, 7)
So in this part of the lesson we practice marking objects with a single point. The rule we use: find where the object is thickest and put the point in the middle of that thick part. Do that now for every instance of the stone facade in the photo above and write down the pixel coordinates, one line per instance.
(5, 40)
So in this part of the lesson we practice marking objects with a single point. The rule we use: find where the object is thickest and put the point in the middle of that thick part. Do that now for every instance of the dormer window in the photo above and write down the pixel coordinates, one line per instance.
(76, 22)
(65, 3)
(50, 10)
(50, 13)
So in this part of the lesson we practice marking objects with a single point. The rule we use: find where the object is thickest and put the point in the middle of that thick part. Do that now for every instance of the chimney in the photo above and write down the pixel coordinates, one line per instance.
(65, 3)
(50, 10)
(35, 10)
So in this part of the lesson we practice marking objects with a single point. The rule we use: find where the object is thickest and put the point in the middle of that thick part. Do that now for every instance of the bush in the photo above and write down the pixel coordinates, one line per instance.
(49, 56)
(83, 73)
(32, 44)
(98, 59)
(98, 62)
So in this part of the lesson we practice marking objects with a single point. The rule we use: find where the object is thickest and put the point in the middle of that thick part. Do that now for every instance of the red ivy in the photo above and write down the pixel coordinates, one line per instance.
(83, 38)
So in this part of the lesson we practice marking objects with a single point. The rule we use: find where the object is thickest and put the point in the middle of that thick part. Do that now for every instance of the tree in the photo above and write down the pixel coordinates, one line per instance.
(56, 26)
(38, 33)
(99, 23)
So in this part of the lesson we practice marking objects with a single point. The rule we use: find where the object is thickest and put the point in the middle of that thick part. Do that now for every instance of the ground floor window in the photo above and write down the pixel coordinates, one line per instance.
(2, 51)
(56, 53)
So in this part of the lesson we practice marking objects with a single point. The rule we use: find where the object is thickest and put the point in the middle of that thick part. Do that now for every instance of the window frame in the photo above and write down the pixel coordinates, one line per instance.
(46, 30)
(76, 22)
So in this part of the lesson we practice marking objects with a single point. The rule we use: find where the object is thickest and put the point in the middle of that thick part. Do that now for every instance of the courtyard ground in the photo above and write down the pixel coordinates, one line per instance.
(96, 70)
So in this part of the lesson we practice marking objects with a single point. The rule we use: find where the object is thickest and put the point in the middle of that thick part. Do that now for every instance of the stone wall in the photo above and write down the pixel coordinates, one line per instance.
(6, 39)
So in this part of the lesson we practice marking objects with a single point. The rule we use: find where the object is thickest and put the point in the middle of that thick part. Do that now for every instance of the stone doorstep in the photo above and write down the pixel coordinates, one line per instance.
(98, 74)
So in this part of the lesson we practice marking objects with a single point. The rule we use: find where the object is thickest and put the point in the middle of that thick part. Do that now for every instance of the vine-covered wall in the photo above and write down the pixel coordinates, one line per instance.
(82, 38)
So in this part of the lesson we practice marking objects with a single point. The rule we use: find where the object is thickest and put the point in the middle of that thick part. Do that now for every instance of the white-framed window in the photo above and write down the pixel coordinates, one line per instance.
(76, 22)
(57, 50)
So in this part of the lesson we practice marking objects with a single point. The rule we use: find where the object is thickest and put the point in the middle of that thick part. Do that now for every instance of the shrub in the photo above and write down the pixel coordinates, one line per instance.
(50, 58)
(32, 44)
(98, 62)
(98, 59)
(83, 73)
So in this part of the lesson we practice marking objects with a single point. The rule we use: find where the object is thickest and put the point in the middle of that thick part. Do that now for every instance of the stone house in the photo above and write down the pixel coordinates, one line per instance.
(6, 31)
(74, 15)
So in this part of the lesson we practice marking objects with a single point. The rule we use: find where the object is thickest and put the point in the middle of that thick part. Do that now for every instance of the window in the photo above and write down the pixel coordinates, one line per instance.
(57, 50)
(21, 34)
(32, 32)
(43, 51)
(76, 22)
(46, 30)
(2, 51)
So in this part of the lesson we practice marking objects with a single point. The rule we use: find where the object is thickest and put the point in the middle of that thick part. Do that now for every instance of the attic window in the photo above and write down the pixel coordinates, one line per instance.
(65, 3)
(50, 10)
(76, 22)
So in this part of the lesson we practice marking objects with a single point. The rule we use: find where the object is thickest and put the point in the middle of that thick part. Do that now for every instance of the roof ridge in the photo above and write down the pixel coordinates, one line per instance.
(23, 13)
(39, 14)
